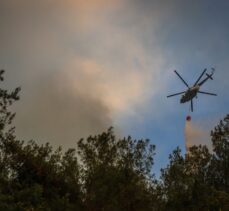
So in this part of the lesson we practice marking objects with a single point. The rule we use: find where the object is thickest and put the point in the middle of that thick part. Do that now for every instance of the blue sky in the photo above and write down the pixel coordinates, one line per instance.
(84, 66)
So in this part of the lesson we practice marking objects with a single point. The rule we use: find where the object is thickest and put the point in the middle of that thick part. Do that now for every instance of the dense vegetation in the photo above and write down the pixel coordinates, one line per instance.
(106, 173)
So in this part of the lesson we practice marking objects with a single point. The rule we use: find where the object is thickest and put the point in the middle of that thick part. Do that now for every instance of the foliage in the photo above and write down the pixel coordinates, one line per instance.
(116, 173)
(33, 176)
(199, 181)
(107, 173)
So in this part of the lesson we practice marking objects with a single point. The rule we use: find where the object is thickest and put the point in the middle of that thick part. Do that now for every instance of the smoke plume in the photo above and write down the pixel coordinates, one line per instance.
(78, 66)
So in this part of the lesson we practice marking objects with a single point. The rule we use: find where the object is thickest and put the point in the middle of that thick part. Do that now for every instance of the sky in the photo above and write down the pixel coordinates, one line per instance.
(84, 66)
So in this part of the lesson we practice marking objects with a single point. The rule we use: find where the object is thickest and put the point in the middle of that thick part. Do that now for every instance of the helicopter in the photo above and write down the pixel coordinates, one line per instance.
(192, 91)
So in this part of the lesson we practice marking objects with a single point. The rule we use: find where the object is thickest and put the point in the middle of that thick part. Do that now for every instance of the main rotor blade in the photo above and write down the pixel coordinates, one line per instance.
(191, 105)
(200, 76)
(207, 93)
(175, 94)
(181, 78)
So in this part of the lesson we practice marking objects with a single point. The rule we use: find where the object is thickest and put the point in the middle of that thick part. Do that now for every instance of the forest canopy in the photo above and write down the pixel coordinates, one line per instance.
(107, 173)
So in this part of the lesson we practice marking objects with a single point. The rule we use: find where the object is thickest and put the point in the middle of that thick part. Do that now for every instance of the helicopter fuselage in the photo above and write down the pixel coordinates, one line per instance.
(192, 91)
(189, 94)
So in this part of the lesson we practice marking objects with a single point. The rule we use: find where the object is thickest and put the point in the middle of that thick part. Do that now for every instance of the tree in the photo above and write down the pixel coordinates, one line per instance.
(220, 160)
(116, 173)
(219, 168)
(106, 173)
(185, 181)
(33, 176)
(6, 133)
(199, 181)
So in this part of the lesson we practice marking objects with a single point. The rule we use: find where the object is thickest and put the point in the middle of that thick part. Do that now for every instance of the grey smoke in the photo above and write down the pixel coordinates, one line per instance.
(55, 112)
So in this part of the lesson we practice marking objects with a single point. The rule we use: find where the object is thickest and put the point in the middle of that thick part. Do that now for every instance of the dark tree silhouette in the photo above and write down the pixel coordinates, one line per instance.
(199, 181)
(106, 173)
(116, 173)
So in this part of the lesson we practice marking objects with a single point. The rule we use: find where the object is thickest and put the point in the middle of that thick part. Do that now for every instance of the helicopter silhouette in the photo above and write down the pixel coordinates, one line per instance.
(192, 91)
